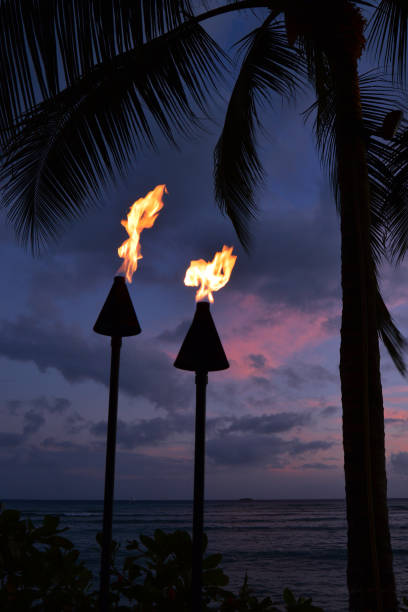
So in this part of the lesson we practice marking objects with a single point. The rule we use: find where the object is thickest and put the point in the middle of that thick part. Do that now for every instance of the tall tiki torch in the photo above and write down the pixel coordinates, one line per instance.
(118, 319)
(202, 352)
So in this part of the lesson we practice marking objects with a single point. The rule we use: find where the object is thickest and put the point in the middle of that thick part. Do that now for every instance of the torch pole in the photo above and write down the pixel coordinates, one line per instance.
(116, 343)
(201, 352)
(201, 380)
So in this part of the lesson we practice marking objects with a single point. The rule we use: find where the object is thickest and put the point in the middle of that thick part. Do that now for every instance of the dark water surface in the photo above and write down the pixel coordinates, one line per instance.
(300, 544)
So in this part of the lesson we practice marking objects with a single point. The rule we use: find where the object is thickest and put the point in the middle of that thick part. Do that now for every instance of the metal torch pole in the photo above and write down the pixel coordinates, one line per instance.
(116, 343)
(201, 380)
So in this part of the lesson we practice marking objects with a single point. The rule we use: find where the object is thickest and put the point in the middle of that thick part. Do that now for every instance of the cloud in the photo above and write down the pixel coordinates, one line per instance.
(75, 423)
(145, 370)
(392, 421)
(147, 431)
(298, 374)
(330, 411)
(258, 362)
(333, 324)
(13, 405)
(271, 450)
(317, 466)
(261, 381)
(177, 334)
(278, 332)
(298, 447)
(290, 375)
(57, 405)
(399, 463)
(267, 423)
(33, 421)
(246, 450)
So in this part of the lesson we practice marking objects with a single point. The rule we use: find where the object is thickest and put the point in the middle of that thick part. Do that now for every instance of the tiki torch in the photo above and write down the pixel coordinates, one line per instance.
(118, 319)
(202, 352)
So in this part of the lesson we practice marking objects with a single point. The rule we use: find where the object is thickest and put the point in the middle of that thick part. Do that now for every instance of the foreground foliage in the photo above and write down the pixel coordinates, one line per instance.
(40, 570)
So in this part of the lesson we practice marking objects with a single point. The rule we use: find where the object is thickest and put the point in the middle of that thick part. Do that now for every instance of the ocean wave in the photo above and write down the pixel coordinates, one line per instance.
(85, 514)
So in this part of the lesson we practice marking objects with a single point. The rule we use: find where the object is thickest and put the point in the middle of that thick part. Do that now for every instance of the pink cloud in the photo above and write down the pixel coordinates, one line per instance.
(396, 395)
(275, 332)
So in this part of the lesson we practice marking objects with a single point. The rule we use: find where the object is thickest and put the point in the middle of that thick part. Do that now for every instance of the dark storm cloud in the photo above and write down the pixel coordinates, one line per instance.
(399, 463)
(33, 421)
(146, 432)
(145, 371)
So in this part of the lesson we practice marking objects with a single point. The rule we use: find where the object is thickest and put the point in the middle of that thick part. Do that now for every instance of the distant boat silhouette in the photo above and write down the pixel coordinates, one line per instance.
(246, 499)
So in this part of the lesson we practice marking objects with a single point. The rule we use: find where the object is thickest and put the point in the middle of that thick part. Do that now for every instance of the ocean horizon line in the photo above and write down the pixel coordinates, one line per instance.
(183, 500)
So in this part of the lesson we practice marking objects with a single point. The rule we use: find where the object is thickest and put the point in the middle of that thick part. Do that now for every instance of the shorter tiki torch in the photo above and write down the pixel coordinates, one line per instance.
(202, 352)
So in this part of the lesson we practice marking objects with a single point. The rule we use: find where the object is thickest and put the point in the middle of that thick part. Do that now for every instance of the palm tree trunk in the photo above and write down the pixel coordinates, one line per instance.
(369, 571)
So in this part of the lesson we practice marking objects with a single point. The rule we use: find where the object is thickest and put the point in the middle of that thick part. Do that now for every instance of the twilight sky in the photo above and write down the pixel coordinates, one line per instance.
(273, 418)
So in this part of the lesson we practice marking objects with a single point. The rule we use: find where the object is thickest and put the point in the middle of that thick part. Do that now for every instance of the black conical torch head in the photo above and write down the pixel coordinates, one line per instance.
(118, 317)
(202, 350)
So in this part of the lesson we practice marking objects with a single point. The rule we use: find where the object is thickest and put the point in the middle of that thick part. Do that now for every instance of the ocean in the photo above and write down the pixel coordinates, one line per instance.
(300, 544)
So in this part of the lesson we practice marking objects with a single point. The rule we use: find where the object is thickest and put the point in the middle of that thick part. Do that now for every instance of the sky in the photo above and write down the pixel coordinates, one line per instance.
(273, 418)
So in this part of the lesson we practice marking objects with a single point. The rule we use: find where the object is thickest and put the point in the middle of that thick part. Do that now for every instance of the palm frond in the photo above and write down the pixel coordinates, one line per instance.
(388, 35)
(393, 340)
(67, 147)
(47, 45)
(397, 201)
(269, 68)
(380, 180)
(378, 98)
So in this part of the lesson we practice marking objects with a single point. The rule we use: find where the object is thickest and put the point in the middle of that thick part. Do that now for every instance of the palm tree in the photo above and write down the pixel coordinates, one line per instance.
(149, 61)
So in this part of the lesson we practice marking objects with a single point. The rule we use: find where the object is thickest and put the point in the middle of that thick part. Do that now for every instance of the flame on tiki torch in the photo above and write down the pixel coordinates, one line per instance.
(212, 275)
(142, 214)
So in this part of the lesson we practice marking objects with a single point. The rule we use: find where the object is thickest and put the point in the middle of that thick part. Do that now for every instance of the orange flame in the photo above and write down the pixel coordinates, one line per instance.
(142, 214)
(211, 276)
